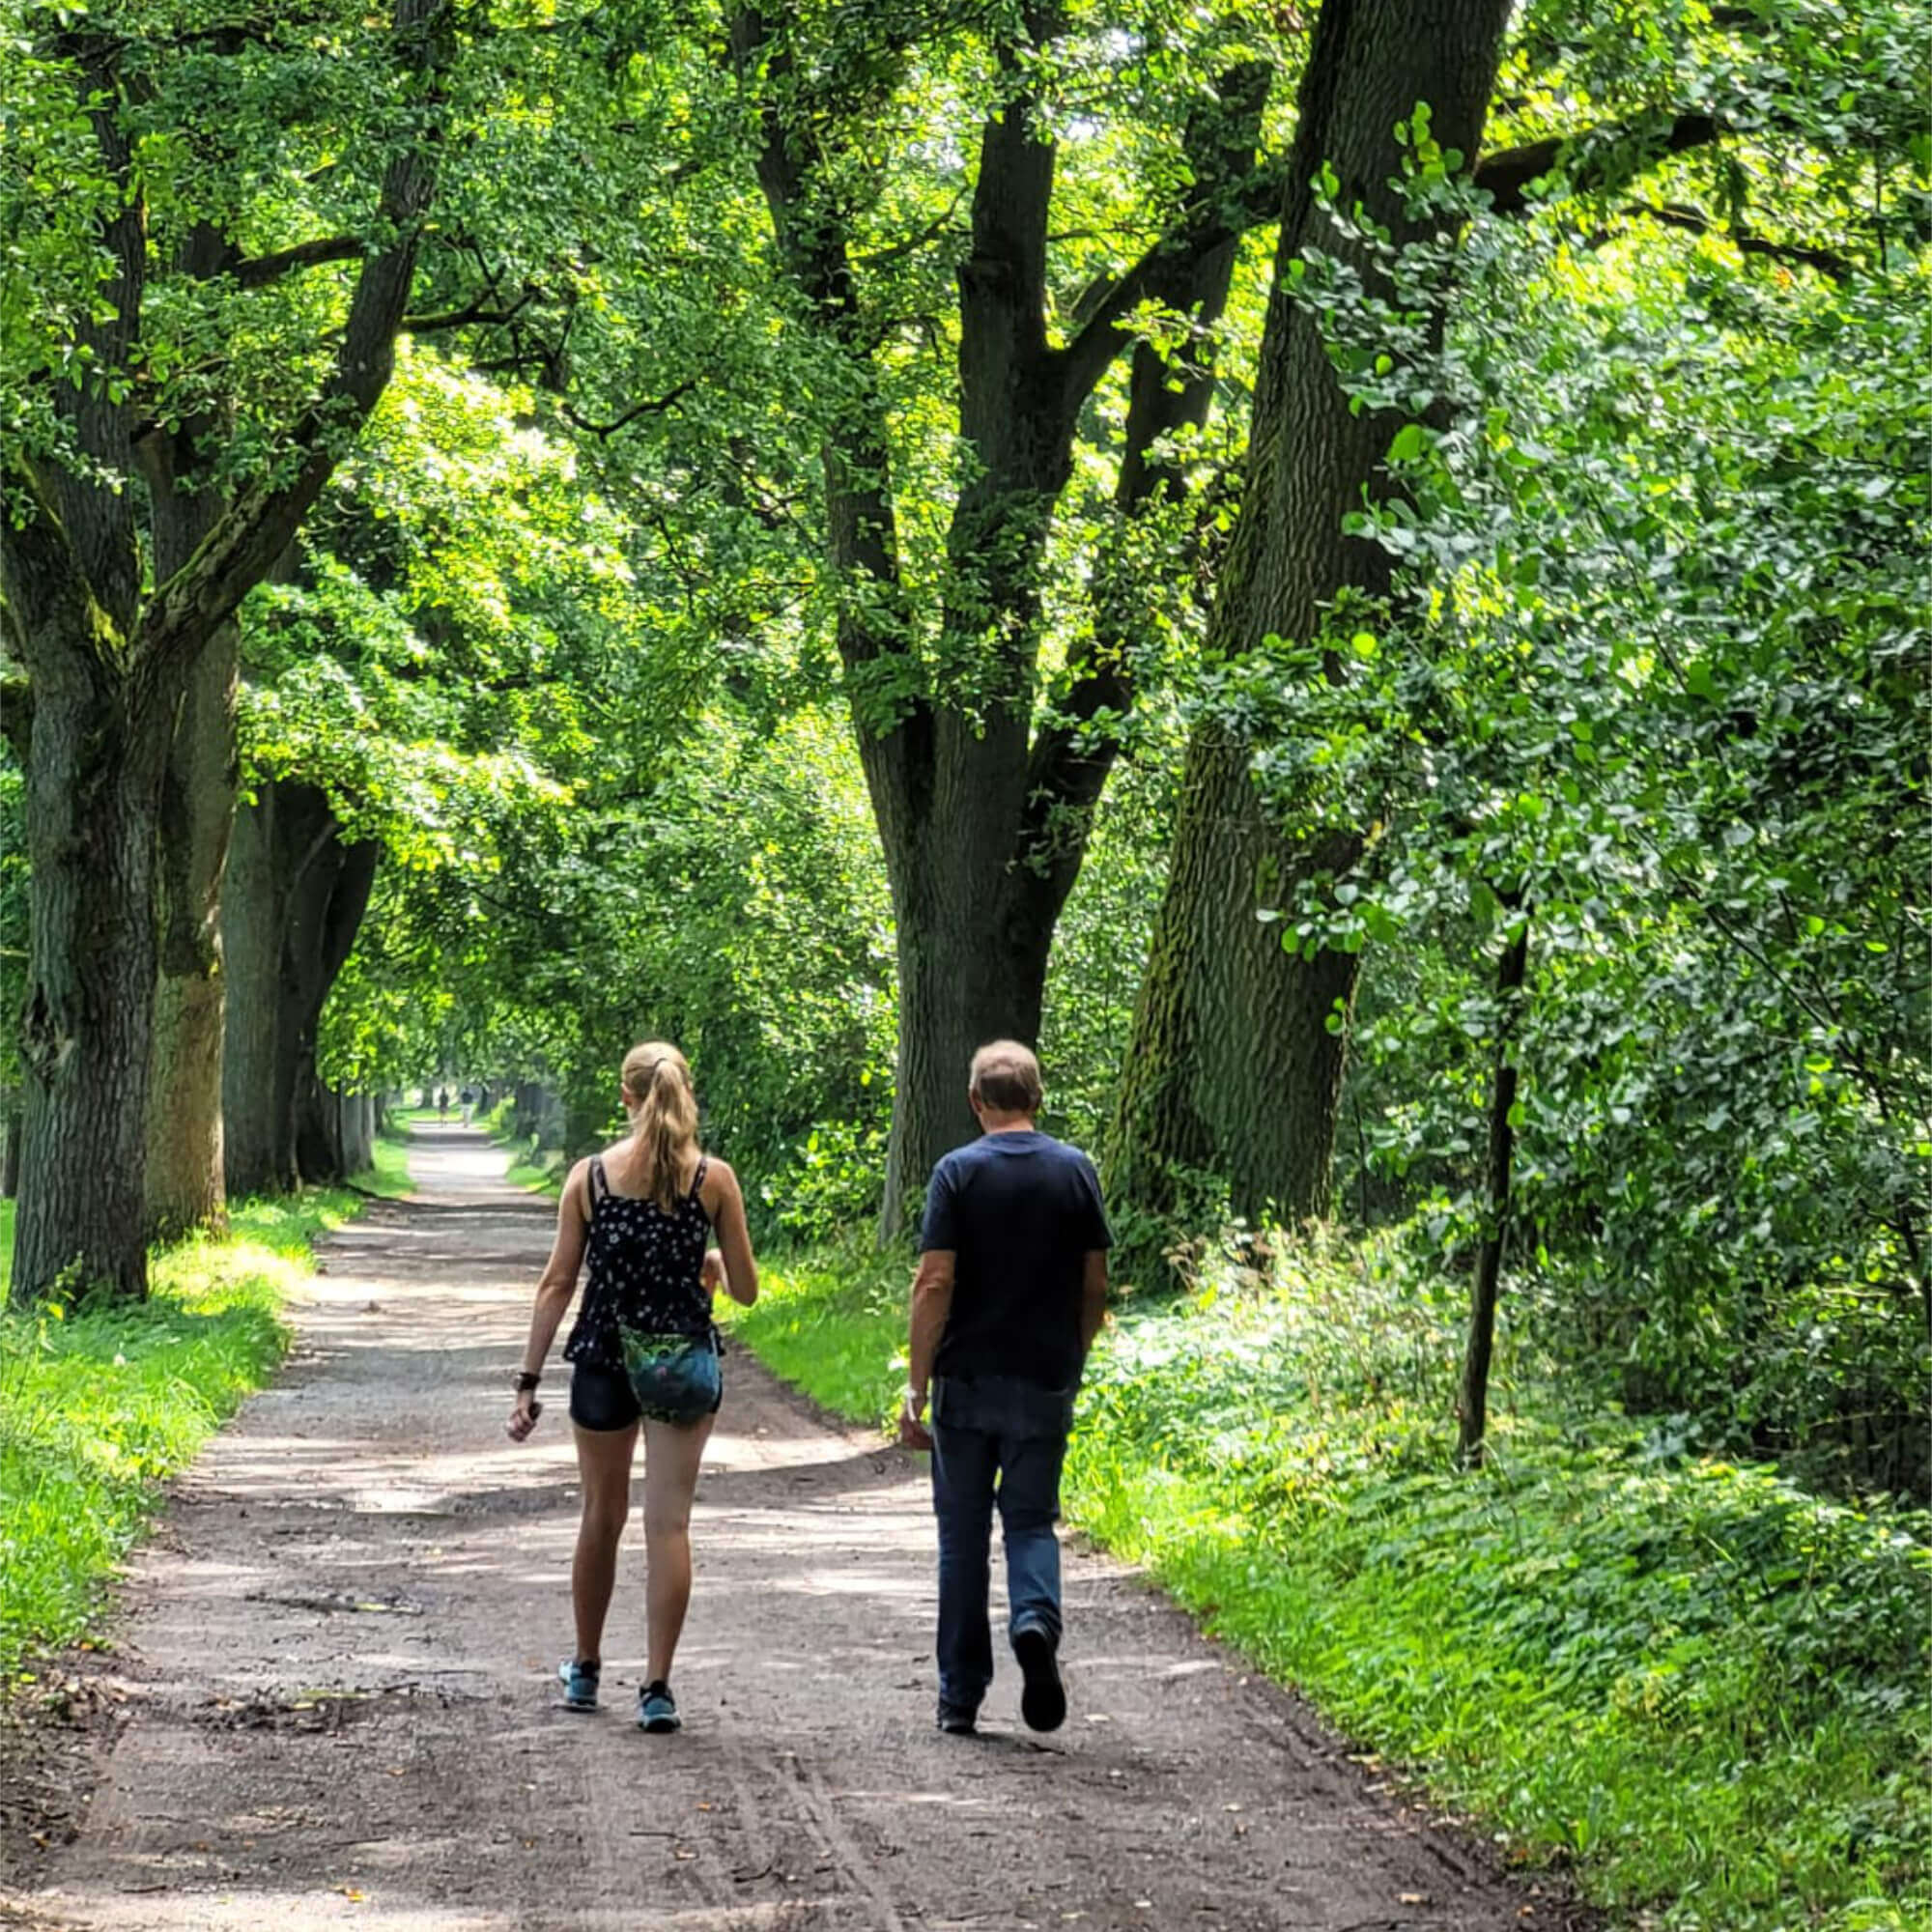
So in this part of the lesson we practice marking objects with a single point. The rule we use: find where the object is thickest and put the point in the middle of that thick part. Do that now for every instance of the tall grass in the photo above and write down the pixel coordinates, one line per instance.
(100, 1400)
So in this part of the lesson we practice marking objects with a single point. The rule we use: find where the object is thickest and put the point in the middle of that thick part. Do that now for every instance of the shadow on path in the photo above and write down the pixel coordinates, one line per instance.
(339, 1656)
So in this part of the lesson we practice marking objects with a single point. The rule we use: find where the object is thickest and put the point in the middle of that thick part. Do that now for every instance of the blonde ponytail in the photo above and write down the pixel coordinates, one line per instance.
(663, 1107)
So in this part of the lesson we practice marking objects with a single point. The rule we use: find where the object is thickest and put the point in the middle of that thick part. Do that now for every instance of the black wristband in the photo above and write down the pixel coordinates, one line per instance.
(526, 1381)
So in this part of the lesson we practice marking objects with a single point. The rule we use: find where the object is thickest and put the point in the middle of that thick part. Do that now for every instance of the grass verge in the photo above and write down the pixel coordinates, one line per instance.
(1694, 1685)
(833, 1323)
(539, 1170)
(388, 1174)
(101, 1402)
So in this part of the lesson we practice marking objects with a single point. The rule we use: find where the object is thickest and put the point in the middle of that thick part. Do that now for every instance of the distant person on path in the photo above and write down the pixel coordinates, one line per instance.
(466, 1099)
(1011, 1292)
(443, 1104)
(645, 1352)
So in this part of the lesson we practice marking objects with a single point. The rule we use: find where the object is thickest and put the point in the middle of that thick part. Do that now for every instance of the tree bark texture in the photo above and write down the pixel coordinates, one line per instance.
(980, 824)
(295, 901)
(334, 1133)
(110, 668)
(1231, 1067)
(1472, 1411)
(185, 1187)
(91, 969)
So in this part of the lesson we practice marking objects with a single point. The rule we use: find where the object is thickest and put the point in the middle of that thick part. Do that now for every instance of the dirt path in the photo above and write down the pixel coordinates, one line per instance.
(338, 1654)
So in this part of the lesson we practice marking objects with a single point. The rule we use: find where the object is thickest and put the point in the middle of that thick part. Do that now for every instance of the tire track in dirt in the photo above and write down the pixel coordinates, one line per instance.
(336, 1656)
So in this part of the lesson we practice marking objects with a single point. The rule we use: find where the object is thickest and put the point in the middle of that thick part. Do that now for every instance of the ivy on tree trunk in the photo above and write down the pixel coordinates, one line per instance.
(1233, 1071)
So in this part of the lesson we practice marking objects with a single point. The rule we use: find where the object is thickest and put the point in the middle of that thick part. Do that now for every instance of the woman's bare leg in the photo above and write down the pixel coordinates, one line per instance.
(603, 1467)
(672, 1453)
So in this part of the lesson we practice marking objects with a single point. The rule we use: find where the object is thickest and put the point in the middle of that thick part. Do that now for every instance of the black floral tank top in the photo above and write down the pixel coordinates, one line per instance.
(645, 1271)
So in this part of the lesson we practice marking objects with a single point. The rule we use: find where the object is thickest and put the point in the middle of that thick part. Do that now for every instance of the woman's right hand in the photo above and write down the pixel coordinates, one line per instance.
(524, 1416)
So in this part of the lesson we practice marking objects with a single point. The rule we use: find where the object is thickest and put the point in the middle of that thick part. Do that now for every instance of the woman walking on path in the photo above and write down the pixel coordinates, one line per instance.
(644, 1353)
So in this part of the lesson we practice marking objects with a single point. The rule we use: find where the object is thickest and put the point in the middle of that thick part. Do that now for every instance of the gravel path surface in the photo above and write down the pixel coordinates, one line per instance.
(337, 1656)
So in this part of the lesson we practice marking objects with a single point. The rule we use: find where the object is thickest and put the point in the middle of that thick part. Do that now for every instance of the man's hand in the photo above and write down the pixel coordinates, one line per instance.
(913, 1432)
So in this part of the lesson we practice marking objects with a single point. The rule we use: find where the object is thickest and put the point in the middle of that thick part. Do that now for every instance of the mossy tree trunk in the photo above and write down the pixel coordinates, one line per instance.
(1234, 1073)
(110, 662)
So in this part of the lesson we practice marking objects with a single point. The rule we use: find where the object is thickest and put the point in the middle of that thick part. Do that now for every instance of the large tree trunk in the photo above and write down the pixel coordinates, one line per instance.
(295, 901)
(9, 1151)
(328, 906)
(258, 1073)
(183, 1122)
(197, 812)
(91, 783)
(109, 664)
(358, 1132)
(1233, 1070)
(958, 985)
(966, 805)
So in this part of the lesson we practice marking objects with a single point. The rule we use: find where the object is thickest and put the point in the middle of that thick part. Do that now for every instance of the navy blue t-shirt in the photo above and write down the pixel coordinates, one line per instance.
(1020, 1212)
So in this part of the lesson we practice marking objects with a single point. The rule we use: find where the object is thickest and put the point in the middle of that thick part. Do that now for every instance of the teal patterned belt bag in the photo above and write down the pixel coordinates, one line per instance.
(675, 1377)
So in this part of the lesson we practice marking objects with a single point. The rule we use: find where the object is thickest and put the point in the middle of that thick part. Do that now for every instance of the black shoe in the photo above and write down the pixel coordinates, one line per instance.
(1043, 1701)
(956, 1721)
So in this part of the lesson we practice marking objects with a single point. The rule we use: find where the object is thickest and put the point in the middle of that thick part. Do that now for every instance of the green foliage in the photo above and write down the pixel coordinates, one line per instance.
(1697, 1683)
(101, 1401)
(1653, 682)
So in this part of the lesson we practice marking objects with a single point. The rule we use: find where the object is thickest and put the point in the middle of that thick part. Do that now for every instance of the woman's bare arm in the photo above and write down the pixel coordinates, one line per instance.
(554, 1289)
(726, 1205)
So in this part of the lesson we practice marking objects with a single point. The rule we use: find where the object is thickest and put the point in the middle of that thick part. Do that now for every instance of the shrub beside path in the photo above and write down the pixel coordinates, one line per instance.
(336, 1659)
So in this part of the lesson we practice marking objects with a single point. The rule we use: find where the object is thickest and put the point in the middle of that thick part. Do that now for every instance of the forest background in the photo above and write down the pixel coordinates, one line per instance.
(1359, 574)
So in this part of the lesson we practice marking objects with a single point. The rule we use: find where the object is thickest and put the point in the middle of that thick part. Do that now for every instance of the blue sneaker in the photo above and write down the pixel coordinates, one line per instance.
(580, 1685)
(657, 1708)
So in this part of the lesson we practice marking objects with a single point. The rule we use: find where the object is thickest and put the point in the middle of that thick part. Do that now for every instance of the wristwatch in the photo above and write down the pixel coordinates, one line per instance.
(525, 1381)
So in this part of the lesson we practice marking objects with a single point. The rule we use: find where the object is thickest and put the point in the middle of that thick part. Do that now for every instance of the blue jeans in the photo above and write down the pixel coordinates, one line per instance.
(999, 1441)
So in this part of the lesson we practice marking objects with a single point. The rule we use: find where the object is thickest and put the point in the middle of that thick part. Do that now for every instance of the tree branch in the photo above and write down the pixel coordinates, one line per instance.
(1616, 152)
(244, 546)
(655, 406)
(94, 515)
(477, 314)
(1694, 221)
(258, 270)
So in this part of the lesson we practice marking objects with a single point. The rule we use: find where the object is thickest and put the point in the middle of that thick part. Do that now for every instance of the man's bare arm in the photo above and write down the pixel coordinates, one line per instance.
(1092, 1297)
(931, 1303)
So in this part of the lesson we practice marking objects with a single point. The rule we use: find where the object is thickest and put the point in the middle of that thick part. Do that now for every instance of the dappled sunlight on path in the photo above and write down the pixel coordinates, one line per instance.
(339, 1656)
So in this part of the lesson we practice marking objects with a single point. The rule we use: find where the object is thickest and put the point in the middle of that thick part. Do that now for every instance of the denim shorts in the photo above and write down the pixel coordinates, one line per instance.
(601, 1397)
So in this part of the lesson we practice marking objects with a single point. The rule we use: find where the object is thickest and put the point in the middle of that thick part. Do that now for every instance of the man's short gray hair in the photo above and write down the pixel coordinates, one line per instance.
(1006, 1077)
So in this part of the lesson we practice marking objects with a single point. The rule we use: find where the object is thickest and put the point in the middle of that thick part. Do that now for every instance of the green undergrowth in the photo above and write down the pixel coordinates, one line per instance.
(541, 1169)
(388, 1171)
(101, 1401)
(1696, 1687)
(833, 1323)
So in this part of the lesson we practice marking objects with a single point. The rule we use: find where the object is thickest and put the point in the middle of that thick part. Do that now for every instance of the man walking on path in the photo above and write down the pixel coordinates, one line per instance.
(1011, 1292)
